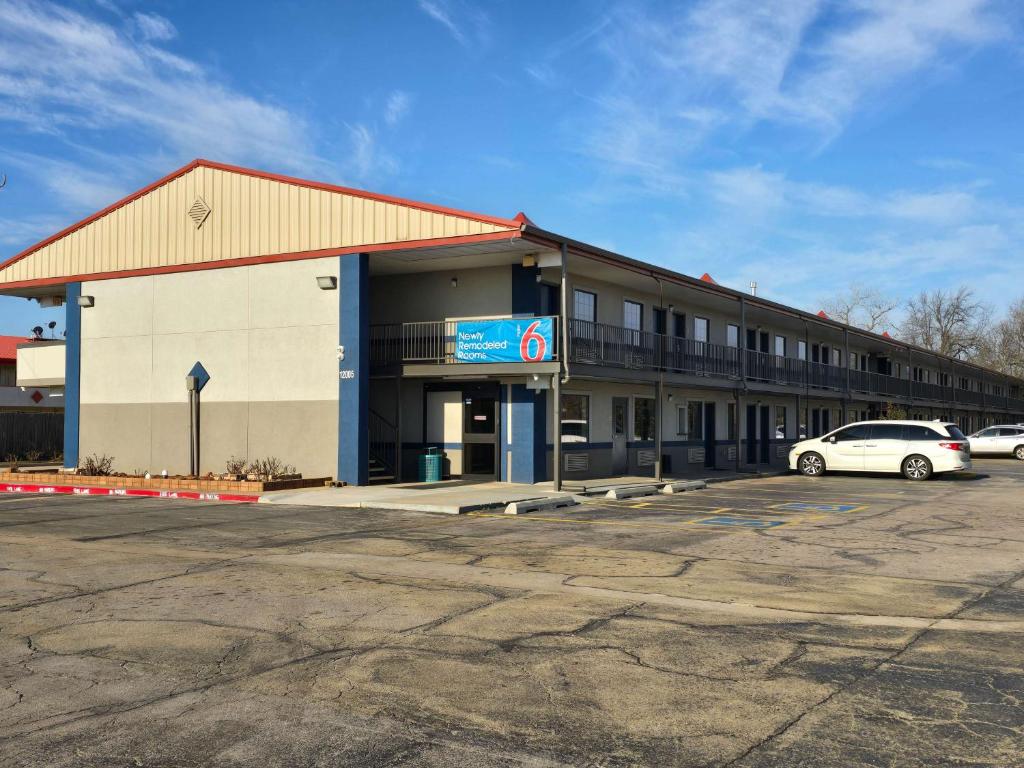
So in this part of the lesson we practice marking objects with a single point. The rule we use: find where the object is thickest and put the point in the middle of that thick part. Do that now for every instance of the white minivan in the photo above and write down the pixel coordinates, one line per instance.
(918, 449)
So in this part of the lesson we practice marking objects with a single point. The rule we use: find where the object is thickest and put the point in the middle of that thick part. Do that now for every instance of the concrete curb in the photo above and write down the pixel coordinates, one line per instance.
(683, 485)
(629, 491)
(536, 505)
(748, 476)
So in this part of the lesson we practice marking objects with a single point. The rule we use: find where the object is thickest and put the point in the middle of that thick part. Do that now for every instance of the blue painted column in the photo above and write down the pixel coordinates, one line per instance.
(354, 369)
(72, 372)
(529, 443)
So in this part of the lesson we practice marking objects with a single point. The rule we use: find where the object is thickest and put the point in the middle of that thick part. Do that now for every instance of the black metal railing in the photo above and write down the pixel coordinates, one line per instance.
(383, 442)
(431, 341)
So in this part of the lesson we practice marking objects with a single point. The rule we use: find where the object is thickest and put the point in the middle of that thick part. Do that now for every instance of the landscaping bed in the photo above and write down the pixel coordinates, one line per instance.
(162, 483)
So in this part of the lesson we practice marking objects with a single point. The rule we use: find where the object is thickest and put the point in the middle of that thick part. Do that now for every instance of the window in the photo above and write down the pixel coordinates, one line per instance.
(856, 432)
(1009, 432)
(660, 321)
(694, 420)
(887, 432)
(575, 418)
(8, 375)
(920, 432)
(550, 299)
(643, 418)
(780, 422)
(700, 328)
(780, 346)
(732, 335)
(853, 361)
(801, 349)
(633, 315)
(584, 305)
(730, 427)
(837, 357)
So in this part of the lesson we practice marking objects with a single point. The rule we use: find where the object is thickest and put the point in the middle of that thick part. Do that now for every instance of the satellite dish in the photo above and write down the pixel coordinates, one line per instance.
(38, 332)
(3, 181)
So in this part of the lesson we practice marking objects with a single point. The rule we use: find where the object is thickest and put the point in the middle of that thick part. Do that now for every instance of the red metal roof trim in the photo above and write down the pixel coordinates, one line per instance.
(510, 223)
(708, 279)
(821, 313)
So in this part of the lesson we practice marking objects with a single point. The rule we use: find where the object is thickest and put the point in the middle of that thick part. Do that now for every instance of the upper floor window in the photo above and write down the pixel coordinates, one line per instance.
(633, 315)
(701, 327)
(732, 335)
(780, 346)
(584, 305)
(801, 349)
(660, 320)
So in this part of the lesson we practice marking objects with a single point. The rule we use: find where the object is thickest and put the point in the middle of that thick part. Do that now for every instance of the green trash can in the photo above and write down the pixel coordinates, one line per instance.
(430, 465)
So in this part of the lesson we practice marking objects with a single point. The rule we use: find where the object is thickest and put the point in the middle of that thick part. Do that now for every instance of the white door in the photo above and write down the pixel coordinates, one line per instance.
(1009, 438)
(885, 448)
(845, 449)
(985, 441)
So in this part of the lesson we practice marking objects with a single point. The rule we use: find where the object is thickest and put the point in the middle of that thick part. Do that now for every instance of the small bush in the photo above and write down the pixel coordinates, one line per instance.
(894, 412)
(269, 467)
(236, 466)
(33, 455)
(96, 465)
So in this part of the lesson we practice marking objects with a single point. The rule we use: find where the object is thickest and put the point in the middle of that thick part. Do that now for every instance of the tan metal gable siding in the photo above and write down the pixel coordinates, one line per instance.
(250, 216)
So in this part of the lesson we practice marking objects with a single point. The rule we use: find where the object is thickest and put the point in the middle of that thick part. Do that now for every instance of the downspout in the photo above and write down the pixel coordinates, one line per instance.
(556, 393)
(659, 389)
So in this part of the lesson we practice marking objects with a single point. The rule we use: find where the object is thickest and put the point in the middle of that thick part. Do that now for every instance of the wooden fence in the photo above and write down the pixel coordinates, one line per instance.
(31, 436)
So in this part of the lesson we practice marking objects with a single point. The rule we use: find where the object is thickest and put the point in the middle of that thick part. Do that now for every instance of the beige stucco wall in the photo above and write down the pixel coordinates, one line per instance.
(266, 334)
(423, 296)
(41, 364)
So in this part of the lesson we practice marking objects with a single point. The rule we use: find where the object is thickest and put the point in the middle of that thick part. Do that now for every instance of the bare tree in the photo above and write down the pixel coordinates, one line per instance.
(951, 323)
(863, 307)
(1004, 347)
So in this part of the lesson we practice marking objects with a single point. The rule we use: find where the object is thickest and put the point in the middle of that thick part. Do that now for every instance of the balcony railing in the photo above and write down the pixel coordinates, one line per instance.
(625, 348)
(429, 342)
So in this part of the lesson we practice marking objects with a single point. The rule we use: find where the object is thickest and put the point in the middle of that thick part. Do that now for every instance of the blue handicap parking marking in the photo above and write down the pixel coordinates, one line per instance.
(800, 506)
(741, 522)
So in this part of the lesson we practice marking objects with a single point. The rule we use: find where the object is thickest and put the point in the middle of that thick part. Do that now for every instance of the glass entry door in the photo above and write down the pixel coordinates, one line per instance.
(480, 432)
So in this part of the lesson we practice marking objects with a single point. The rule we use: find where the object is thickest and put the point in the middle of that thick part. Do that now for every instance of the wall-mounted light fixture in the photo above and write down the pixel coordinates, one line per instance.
(86, 301)
(455, 282)
(540, 276)
(670, 396)
(671, 308)
(327, 282)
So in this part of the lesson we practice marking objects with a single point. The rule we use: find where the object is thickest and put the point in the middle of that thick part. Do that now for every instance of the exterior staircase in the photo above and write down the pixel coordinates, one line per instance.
(384, 450)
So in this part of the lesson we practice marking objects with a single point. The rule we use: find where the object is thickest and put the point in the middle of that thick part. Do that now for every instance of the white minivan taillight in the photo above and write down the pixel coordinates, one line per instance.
(953, 446)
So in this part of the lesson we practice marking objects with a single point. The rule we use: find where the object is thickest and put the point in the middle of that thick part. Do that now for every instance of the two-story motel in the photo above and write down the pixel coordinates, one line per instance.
(344, 332)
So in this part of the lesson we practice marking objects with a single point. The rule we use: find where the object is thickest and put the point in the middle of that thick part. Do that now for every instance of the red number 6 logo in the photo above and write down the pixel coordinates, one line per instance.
(524, 344)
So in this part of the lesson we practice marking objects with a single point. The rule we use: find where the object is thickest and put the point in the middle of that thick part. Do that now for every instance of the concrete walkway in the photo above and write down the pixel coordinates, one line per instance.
(451, 497)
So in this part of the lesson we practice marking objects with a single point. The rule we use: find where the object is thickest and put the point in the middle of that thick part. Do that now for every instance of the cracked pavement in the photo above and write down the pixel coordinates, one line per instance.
(142, 632)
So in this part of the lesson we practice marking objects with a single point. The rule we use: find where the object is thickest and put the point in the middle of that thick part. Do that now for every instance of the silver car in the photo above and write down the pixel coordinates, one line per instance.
(1000, 440)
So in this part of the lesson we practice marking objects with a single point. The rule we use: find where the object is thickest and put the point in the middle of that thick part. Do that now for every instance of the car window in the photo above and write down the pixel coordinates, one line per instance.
(856, 432)
(954, 432)
(920, 432)
(1007, 432)
(988, 433)
(887, 432)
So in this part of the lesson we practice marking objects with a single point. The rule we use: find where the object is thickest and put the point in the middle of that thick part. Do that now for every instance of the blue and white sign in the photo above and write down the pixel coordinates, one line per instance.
(519, 340)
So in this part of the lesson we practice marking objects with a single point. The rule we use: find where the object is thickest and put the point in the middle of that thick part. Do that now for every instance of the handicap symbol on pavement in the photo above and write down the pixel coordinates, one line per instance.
(800, 506)
(740, 522)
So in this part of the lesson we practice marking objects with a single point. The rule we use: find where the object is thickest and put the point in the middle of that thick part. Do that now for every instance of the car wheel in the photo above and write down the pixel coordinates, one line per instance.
(1019, 452)
(917, 468)
(811, 464)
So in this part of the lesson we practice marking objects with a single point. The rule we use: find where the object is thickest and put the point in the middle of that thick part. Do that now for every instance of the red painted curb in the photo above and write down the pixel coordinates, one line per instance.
(90, 490)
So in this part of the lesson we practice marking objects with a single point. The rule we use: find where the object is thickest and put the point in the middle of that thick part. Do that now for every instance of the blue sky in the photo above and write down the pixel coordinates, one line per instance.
(804, 144)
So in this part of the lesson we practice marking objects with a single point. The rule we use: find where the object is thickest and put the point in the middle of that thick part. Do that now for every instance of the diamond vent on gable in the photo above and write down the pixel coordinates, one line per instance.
(198, 212)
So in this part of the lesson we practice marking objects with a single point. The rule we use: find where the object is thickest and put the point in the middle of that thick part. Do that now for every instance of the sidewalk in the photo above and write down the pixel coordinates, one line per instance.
(450, 497)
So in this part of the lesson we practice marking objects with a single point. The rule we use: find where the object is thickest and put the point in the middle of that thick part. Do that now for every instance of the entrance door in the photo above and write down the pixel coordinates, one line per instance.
(709, 435)
(620, 457)
(763, 434)
(751, 434)
(480, 433)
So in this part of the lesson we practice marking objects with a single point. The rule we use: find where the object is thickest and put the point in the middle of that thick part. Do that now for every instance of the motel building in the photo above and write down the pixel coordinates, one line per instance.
(346, 332)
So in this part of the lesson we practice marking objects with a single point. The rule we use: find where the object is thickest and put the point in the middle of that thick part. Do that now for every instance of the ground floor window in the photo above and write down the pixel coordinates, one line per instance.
(730, 427)
(780, 422)
(691, 420)
(643, 418)
(575, 418)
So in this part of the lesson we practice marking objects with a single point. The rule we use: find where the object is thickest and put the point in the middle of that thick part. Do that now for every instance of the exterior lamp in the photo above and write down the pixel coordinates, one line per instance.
(455, 282)
(85, 301)
(327, 282)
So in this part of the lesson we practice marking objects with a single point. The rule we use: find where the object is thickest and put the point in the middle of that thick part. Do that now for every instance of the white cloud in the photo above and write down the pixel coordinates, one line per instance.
(368, 160)
(155, 27)
(62, 71)
(467, 24)
(397, 107)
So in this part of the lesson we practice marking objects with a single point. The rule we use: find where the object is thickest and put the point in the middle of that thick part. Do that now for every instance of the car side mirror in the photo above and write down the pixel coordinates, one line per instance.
(831, 439)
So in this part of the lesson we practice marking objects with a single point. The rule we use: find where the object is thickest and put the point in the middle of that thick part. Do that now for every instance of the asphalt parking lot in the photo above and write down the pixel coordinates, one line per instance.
(789, 621)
